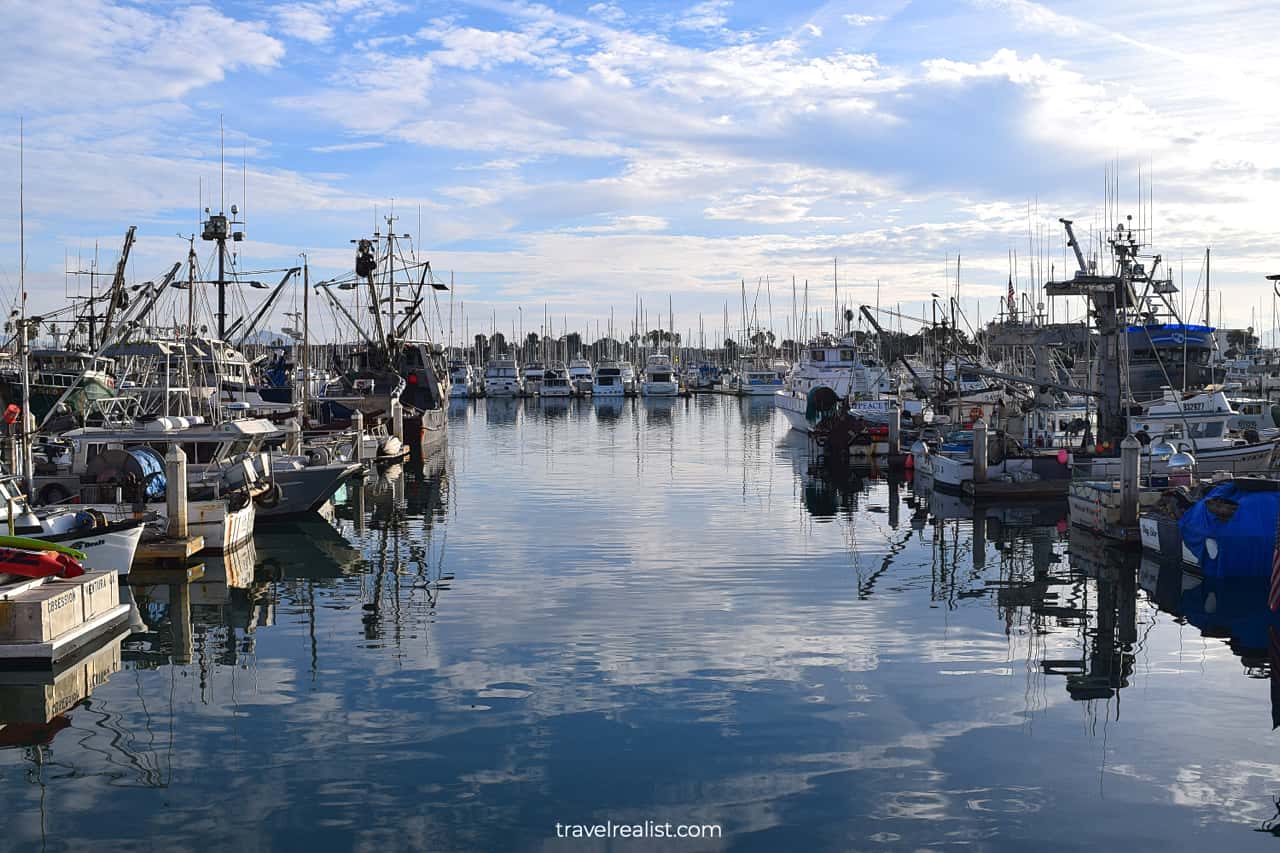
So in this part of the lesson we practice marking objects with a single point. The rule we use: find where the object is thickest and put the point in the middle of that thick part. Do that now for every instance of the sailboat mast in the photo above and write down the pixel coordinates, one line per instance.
(24, 347)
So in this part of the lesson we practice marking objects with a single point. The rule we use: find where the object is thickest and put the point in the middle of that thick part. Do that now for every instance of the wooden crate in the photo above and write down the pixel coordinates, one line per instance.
(99, 591)
(41, 614)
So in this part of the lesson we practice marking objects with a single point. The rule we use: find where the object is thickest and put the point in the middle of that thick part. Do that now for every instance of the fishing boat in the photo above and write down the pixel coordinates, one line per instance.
(70, 379)
(830, 370)
(106, 545)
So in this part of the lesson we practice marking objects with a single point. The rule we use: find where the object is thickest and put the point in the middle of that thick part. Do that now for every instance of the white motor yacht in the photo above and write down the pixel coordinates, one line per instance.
(580, 376)
(556, 383)
(502, 378)
(659, 378)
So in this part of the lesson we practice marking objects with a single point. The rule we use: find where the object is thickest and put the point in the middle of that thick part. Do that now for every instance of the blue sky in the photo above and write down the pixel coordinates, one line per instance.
(578, 155)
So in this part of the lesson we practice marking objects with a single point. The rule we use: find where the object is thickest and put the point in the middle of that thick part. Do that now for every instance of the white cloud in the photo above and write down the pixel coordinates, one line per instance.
(610, 12)
(862, 20)
(347, 146)
(304, 22)
(85, 53)
(709, 15)
(813, 30)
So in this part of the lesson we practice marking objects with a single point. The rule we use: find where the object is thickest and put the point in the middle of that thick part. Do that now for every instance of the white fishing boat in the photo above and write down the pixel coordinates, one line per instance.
(107, 545)
(833, 364)
(659, 378)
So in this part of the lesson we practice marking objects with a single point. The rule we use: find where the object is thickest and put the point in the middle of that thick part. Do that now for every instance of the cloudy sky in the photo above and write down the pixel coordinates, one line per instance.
(580, 155)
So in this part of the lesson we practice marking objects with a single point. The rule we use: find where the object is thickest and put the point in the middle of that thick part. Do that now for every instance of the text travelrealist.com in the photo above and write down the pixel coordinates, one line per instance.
(648, 829)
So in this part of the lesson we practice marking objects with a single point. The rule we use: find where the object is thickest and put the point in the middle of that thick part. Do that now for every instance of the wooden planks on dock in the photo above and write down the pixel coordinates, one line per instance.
(169, 549)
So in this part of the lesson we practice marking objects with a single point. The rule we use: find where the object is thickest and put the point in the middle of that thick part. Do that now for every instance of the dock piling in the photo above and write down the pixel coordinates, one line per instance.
(357, 424)
(397, 419)
(979, 451)
(895, 430)
(1129, 449)
(175, 465)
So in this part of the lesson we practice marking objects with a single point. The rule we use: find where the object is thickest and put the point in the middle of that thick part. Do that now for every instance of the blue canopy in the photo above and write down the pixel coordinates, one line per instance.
(1245, 542)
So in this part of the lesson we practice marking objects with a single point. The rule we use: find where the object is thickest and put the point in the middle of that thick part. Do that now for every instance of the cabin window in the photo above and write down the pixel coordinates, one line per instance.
(846, 355)
(817, 355)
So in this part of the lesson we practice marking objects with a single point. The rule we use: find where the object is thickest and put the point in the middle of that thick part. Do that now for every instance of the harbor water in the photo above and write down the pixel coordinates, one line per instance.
(646, 612)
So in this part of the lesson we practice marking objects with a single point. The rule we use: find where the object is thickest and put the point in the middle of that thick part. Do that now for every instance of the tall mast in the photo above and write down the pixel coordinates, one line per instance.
(1207, 317)
(306, 334)
(24, 347)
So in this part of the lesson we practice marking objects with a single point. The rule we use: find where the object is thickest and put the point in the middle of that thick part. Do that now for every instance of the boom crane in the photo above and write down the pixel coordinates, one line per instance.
(1075, 246)
(117, 283)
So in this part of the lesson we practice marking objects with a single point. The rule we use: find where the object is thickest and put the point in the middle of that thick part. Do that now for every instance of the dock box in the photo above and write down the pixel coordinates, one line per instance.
(99, 591)
(41, 614)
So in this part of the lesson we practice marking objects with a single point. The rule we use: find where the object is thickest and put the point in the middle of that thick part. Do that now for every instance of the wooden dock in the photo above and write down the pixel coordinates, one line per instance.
(169, 550)
(158, 574)
(997, 490)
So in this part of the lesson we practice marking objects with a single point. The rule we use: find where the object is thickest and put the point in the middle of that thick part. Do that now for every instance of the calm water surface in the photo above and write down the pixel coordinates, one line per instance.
(650, 610)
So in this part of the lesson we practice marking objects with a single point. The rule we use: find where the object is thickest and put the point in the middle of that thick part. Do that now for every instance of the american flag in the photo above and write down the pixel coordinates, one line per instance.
(1273, 600)
(1013, 298)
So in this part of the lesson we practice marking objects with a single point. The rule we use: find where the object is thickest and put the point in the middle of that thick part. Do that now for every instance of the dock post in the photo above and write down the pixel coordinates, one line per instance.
(175, 473)
(293, 438)
(979, 451)
(397, 419)
(357, 423)
(895, 430)
(1129, 449)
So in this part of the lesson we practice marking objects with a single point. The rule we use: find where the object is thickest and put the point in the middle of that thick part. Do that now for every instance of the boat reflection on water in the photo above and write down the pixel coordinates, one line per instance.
(608, 407)
(311, 548)
(501, 411)
(1234, 610)
(756, 410)
(658, 410)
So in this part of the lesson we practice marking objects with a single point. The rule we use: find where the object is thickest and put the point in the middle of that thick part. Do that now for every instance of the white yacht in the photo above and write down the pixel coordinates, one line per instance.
(834, 364)
(608, 380)
(556, 383)
(751, 380)
(502, 378)
(462, 380)
(580, 376)
(659, 377)
(533, 373)
(630, 384)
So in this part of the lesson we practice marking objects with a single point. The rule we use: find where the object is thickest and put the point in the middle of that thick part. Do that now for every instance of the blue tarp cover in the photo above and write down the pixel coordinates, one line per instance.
(1246, 541)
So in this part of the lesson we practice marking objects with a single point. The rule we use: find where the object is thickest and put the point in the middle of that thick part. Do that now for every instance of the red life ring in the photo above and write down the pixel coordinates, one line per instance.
(975, 413)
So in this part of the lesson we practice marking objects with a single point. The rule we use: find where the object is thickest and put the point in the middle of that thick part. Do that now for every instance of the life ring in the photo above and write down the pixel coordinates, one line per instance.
(975, 413)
